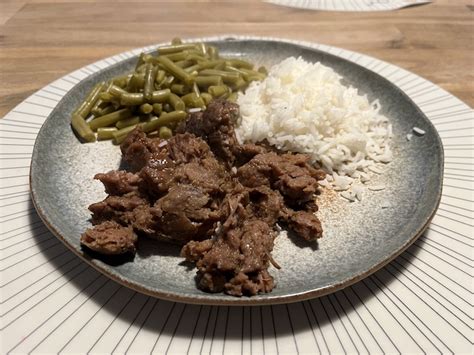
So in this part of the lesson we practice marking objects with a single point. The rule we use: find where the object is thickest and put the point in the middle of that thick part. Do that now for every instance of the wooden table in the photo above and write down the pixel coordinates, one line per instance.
(41, 40)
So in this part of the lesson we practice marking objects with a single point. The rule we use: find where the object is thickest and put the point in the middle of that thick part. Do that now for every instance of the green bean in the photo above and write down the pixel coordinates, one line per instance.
(177, 56)
(205, 81)
(175, 48)
(218, 91)
(160, 96)
(157, 109)
(184, 63)
(213, 52)
(140, 60)
(105, 133)
(106, 110)
(116, 91)
(240, 84)
(175, 70)
(192, 68)
(165, 132)
(81, 128)
(202, 48)
(232, 97)
(146, 108)
(227, 76)
(179, 89)
(121, 81)
(132, 99)
(109, 119)
(136, 82)
(239, 63)
(160, 76)
(98, 107)
(176, 40)
(150, 76)
(86, 107)
(253, 73)
(165, 119)
(176, 102)
(206, 97)
(106, 97)
(192, 100)
(121, 134)
(126, 122)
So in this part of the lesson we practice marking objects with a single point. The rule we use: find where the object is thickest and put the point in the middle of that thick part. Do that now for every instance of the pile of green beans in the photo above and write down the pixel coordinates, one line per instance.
(160, 92)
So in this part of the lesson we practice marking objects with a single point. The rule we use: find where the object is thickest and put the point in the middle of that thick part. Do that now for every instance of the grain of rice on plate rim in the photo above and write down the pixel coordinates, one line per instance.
(303, 107)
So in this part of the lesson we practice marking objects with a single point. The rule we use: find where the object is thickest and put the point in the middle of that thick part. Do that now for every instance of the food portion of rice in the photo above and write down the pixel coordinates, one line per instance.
(303, 107)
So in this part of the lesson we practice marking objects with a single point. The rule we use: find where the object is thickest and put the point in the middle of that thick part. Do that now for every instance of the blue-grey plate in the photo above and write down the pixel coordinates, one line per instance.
(359, 238)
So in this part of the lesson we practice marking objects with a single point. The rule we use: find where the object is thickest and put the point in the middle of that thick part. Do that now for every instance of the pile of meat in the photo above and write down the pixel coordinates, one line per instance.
(220, 199)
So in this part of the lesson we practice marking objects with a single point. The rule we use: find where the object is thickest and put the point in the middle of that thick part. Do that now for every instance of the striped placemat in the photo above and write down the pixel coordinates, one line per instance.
(349, 5)
(52, 302)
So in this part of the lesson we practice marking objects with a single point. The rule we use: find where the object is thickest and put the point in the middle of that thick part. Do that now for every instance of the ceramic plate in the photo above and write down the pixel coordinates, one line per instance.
(359, 238)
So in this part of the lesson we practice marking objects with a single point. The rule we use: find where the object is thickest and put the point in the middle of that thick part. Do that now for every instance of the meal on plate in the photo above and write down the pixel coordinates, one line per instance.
(233, 170)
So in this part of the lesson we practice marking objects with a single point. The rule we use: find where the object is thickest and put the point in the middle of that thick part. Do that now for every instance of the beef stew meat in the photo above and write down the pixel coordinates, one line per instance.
(220, 199)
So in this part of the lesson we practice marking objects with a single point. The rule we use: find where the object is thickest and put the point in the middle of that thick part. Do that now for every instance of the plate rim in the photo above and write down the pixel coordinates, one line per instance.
(206, 299)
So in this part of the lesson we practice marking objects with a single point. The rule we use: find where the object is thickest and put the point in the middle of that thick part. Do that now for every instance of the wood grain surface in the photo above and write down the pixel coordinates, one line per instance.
(41, 40)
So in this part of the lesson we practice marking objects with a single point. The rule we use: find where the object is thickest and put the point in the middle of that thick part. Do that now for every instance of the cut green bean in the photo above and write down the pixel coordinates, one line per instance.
(176, 41)
(263, 70)
(146, 108)
(106, 110)
(132, 99)
(160, 76)
(179, 89)
(127, 122)
(165, 132)
(150, 76)
(105, 133)
(176, 102)
(218, 91)
(116, 91)
(239, 63)
(175, 70)
(160, 96)
(184, 63)
(109, 120)
(227, 76)
(205, 81)
(175, 57)
(120, 135)
(206, 97)
(136, 82)
(192, 100)
(233, 97)
(165, 119)
(82, 129)
(175, 48)
(140, 60)
(213, 52)
(86, 107)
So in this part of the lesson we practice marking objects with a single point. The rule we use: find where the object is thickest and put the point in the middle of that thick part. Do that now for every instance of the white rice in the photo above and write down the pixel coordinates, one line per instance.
(303, 107)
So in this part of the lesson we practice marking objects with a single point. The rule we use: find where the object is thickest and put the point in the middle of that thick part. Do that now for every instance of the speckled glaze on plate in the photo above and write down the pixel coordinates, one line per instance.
(359, 238)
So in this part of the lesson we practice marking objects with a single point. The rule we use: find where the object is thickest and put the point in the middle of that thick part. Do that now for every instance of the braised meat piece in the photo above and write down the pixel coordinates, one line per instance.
(118, 182)
(216, 126)
(110, 238)
(237, 261)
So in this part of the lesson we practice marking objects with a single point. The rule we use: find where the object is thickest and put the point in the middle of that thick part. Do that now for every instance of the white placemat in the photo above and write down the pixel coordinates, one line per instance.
(349, 5)
(51, 301)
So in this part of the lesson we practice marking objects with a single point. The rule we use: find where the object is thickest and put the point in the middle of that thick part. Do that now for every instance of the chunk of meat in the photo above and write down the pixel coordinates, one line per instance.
(183, 214)
(137, 149)
(116, 208)
(236, 257)
(110, 238)
(305, 224)
(183, 148)
(118, 182)
(216, 126)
